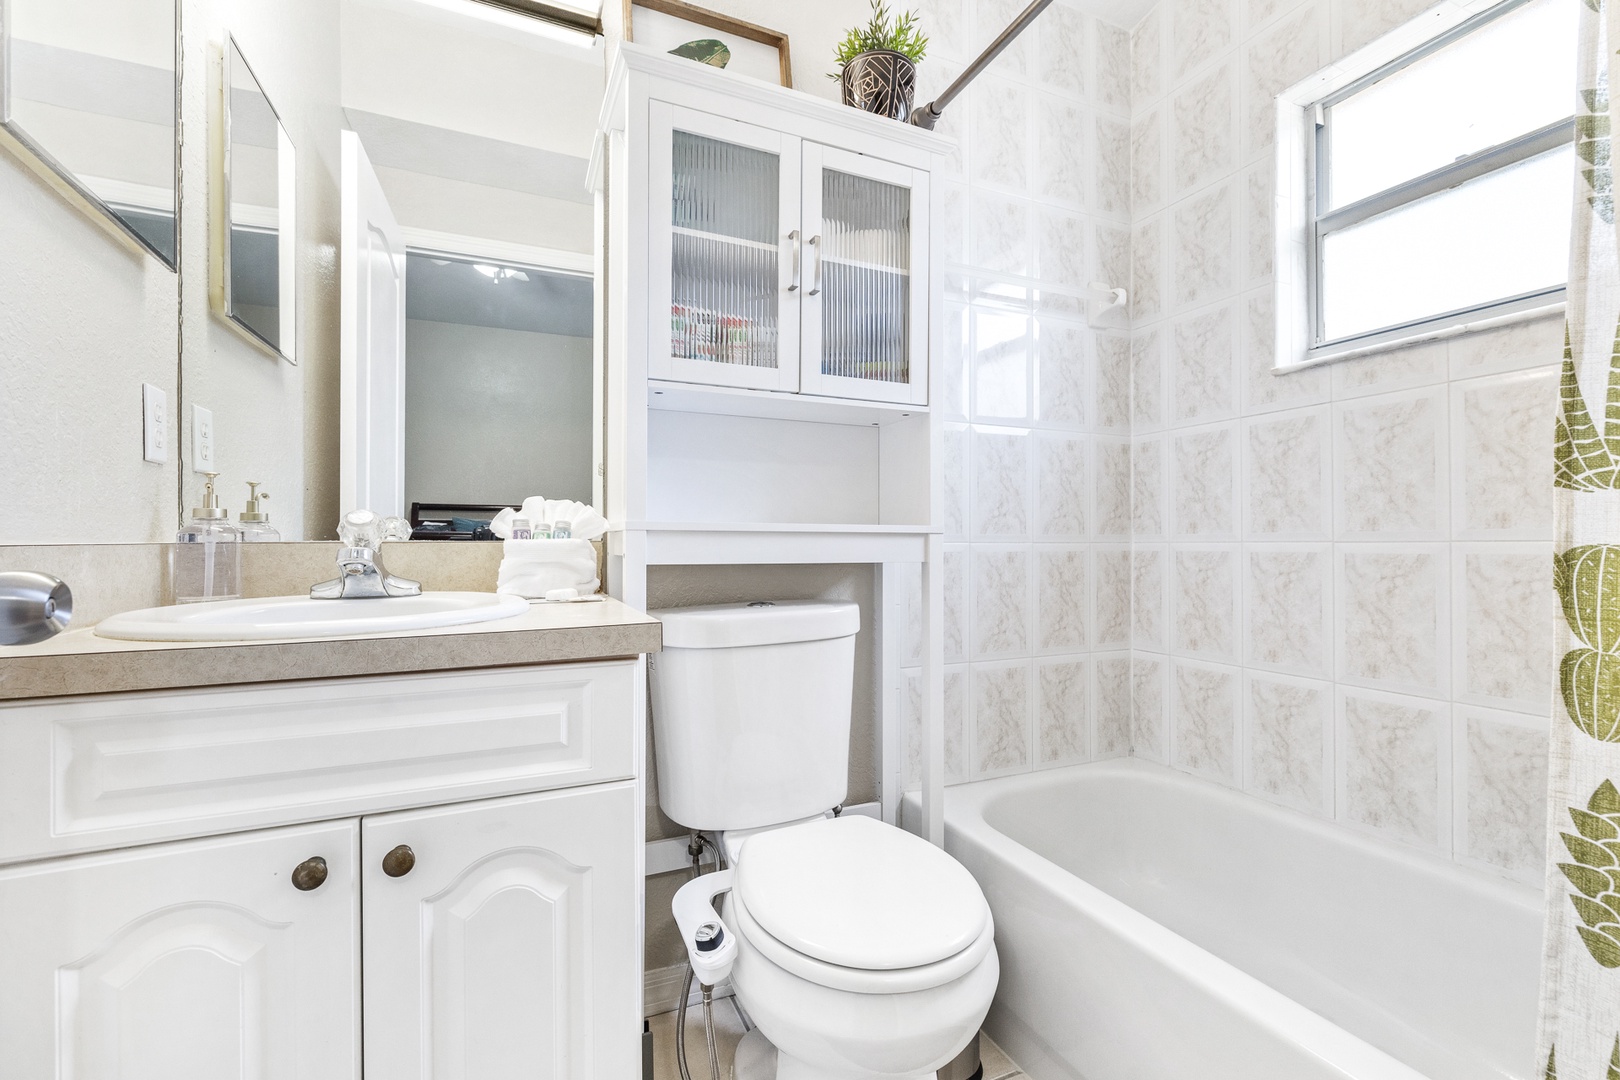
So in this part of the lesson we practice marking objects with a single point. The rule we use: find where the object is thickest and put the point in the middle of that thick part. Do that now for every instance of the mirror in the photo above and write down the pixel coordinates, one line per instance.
(256, 270)
(89, 98)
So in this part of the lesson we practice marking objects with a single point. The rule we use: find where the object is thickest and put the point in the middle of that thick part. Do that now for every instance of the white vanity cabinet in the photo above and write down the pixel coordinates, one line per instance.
(465, 890)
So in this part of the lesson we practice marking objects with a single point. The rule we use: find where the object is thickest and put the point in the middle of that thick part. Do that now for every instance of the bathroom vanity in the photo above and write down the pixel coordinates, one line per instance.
(426, 863)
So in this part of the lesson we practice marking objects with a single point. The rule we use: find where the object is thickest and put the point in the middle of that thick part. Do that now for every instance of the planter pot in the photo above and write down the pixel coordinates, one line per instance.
(882, 82)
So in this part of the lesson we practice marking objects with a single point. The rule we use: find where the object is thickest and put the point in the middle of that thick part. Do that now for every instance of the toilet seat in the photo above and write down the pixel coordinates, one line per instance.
(855, 904)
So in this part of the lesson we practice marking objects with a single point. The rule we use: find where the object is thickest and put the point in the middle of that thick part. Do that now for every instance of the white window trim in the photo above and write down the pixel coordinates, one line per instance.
(1293, 205)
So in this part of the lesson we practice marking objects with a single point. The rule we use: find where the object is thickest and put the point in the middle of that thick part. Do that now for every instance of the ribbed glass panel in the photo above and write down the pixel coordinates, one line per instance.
(866, 278)
(725, 252)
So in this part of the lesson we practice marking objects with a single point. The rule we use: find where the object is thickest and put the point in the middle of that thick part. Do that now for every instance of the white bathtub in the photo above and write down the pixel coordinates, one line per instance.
(1153, 926)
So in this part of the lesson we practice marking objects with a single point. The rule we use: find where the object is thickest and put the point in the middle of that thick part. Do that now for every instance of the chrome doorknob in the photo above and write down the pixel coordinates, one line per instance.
(309, 874)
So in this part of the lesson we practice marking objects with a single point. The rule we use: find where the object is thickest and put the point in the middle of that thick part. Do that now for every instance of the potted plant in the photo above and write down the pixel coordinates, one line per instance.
(879, 62)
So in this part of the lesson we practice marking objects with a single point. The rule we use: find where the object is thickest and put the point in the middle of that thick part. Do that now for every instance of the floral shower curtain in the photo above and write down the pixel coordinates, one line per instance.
(1580, 993)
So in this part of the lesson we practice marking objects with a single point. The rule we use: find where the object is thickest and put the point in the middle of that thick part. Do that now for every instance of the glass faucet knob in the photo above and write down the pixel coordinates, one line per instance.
(360, 528)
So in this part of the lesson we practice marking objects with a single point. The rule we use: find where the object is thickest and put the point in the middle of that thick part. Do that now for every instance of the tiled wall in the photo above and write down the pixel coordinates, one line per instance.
(1330, 588)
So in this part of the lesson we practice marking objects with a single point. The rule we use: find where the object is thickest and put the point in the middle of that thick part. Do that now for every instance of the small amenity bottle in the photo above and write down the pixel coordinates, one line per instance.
(254, 523)
(206, 563)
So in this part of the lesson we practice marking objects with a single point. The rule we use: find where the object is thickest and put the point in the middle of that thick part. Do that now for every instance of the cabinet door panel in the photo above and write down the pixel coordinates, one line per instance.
(511, 947)
(865, 329)
(723, 251)
(190, 961)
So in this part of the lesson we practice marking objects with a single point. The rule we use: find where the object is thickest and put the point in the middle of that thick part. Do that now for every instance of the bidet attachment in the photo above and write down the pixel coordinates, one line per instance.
(710, 944)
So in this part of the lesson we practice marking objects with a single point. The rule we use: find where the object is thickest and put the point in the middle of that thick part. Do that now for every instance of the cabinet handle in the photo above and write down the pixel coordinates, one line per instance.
(309, 874)
(815, 242)
(794, 236)
(398, 863)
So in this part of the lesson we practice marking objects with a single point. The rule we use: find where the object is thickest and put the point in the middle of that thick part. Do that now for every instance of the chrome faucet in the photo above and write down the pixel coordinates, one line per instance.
(361, 572)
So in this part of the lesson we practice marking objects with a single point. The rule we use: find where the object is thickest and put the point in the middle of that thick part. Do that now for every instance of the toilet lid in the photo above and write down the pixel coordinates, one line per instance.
(858, 893)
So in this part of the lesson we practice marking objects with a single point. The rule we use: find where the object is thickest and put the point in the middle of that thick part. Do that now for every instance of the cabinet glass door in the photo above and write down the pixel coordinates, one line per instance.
(864, 337)
(724, 251)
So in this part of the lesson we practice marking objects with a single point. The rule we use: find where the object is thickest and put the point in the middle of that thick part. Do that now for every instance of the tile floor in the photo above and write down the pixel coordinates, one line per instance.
(728, 1030)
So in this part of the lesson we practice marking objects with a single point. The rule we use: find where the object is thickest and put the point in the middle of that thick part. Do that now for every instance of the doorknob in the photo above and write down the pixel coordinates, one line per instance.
(398, 863)
(309, 874)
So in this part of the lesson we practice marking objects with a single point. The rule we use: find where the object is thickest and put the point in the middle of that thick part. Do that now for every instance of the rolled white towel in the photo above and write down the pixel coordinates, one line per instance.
(532, 568)
(583, 521)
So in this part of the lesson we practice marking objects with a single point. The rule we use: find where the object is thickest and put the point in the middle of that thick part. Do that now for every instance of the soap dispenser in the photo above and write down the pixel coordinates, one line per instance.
(253, 522)
(207, 559)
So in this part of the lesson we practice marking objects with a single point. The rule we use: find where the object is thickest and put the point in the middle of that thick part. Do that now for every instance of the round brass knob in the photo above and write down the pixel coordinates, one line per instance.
(398, 863)
(309, 874)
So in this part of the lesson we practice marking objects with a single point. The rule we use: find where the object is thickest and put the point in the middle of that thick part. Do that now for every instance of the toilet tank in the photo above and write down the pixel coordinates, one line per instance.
(750, 710)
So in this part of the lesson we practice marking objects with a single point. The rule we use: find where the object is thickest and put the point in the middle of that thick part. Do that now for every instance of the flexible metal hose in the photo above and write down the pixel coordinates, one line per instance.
(694, 848)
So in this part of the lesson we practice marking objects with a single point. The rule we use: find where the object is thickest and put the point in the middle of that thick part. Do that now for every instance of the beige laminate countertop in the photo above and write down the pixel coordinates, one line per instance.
(78, 662)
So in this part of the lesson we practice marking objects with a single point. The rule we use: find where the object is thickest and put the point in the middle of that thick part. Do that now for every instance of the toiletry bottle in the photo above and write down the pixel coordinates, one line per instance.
(521, 530)
(206, 562)
(253, 522)
(542, 531)
(561, 530)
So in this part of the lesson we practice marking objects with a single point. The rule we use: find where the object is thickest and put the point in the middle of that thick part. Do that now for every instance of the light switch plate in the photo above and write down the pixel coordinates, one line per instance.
(202, 439)
(154, 424)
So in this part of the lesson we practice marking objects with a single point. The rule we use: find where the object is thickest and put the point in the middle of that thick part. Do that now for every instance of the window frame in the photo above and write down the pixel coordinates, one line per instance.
(1300, 338)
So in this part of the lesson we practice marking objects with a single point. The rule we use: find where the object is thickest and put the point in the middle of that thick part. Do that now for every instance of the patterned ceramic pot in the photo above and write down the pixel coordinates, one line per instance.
(882, 82)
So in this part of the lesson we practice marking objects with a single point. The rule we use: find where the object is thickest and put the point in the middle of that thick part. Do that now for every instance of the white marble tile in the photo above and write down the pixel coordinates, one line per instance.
(1397, 369)
(911, 602)
(946, 24)
(1147, 598)
(953, 223)
(1113, 67)
(1260, 11)
(1259, 241)
(1286, 472)
(1061, 602)
(1288, 605)
(1535, 344)
(1502, 797)
(1002, 718)
(1275, 60)
(1395, 766)
(1112, 607)
(1062, 156)
(1113, 382)
(1113, 677)
(1505, 607)
(1203, 247)
(1113, 150)
(1205, 602)
(1263, 387)
(1199, 30)
(1204, 720)
(1002, 349)
(1000, 153)
(933, 76)
(1001, 233)
(1148, 736)
(1147, 380)
(956, 603)
(1393, 616)
(1064, 258)
(1147, 58)
(1205, 490)
(1113, 489)
(1063, 715)
(954, 466)
(1114, 255)
(954, 374)
(1203, 365)
(1147, 273)
(1002, 601)
(1364, 20)
(989, 17)
(1288, 739)
(1147, 488)
(1001, 481)
(1060, 486)
(1147, 161)
(1201, 138)
(1062, 51)
(955, 711)
(1499, 445)
(1390, 466)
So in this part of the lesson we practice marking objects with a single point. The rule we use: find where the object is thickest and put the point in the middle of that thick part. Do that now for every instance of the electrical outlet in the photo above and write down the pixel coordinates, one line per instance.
(202, 439)
(154, 424)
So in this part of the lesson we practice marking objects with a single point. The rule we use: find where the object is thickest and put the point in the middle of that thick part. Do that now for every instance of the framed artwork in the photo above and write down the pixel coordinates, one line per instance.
(708, 37)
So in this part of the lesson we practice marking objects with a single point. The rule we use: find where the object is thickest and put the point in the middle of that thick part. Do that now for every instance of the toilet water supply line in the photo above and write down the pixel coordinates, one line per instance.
(715, 968)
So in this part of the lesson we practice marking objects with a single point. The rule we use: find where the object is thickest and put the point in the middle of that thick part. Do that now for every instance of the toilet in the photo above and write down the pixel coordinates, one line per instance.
(860, 951)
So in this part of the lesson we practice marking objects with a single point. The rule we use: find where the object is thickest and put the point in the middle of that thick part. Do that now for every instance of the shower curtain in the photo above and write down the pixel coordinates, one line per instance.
(1580, 987)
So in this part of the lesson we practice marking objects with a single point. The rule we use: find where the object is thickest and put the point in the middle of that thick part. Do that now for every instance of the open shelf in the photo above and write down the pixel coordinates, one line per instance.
(725, 544)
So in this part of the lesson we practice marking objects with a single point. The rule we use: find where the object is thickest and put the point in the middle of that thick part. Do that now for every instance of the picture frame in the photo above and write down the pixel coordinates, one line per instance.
(666, 24)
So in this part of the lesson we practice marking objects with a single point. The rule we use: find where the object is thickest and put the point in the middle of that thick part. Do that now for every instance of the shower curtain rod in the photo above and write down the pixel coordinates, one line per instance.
(926, 116)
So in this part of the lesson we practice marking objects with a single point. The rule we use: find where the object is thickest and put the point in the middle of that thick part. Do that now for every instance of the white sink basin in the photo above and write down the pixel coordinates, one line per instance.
(302, 617)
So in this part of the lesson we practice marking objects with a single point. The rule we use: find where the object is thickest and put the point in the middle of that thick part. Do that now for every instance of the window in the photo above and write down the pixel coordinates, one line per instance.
(1442, 182)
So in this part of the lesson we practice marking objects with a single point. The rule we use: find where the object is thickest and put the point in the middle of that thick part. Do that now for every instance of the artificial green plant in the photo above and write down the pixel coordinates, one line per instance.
(896, 33)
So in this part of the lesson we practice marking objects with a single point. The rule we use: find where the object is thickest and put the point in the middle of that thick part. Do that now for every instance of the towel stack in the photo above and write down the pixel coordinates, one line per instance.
(533, 568)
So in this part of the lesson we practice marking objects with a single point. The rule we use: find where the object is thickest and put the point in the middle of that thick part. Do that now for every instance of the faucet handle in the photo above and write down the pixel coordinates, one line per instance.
(360, 529)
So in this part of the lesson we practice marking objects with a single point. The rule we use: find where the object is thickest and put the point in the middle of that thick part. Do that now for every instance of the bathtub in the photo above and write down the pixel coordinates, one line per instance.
(1154, 926)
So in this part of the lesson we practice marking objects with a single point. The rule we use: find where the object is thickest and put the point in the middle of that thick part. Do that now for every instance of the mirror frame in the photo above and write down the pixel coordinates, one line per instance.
(33, 154)
(286, 212)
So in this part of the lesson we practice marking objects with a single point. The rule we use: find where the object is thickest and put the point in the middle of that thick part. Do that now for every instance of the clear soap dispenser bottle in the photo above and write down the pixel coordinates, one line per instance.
(207, 560)
(253, 522)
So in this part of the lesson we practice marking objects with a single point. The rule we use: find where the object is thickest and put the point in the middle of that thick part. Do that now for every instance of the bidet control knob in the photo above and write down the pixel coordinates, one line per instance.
(709, 936)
